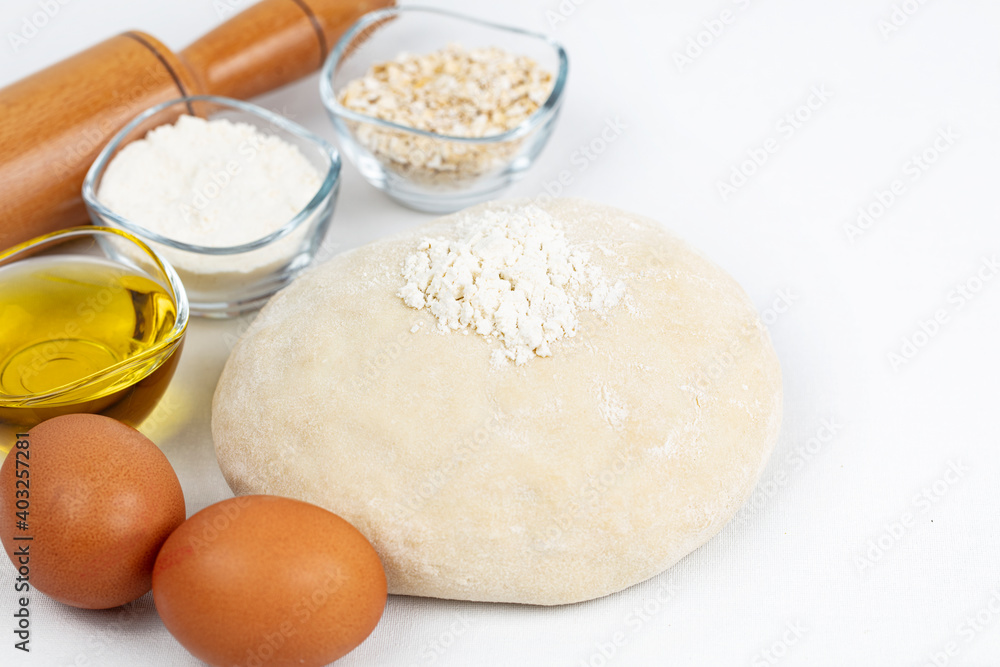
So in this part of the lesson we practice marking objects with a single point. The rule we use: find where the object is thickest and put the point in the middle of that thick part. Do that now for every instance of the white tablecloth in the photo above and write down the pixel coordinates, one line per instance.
(841, 160)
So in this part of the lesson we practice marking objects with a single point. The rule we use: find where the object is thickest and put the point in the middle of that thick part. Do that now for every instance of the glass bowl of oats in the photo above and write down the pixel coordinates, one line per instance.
(439, 110)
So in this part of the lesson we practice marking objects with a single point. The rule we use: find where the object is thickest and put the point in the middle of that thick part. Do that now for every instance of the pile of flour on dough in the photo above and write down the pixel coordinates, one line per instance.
(512, 276)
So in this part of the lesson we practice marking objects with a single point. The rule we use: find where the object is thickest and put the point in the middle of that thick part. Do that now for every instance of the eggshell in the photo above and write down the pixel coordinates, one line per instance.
(264, 580)
(101, 501)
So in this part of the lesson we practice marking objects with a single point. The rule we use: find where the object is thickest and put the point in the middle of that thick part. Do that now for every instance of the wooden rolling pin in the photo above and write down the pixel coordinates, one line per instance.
(54, 123)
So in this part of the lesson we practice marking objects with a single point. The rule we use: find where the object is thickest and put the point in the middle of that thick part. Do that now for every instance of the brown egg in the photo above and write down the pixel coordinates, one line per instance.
(264, 580)
(100, 498)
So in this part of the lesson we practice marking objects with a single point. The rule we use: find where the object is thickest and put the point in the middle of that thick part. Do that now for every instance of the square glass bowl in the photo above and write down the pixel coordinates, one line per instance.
(405, 162)
(225, 281)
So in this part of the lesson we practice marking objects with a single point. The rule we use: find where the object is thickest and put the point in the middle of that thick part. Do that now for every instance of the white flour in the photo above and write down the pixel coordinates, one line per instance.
(512, 276)
(211, 183)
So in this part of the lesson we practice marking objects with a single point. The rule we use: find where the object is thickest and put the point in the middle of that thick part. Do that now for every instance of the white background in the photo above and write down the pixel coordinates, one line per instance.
(838, 542)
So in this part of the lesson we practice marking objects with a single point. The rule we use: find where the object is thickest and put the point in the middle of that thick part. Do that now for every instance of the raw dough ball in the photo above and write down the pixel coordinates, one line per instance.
(563, 479)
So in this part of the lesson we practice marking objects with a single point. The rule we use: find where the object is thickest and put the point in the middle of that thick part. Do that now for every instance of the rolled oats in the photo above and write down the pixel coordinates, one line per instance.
(453, 92)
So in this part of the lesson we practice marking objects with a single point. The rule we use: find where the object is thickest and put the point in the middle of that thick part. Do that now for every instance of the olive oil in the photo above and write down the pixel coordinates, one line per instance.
(82, 334)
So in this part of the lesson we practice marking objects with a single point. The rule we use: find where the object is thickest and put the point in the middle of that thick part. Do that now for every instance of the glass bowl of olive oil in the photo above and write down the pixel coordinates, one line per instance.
(91, 320)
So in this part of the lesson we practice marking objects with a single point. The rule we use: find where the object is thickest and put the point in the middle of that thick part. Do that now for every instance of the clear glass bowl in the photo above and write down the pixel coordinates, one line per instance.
(94, 321)
(492, 162)
(225, 281)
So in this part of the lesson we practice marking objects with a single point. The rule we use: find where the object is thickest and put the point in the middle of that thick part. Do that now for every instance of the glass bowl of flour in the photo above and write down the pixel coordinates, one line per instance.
(235, 197)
